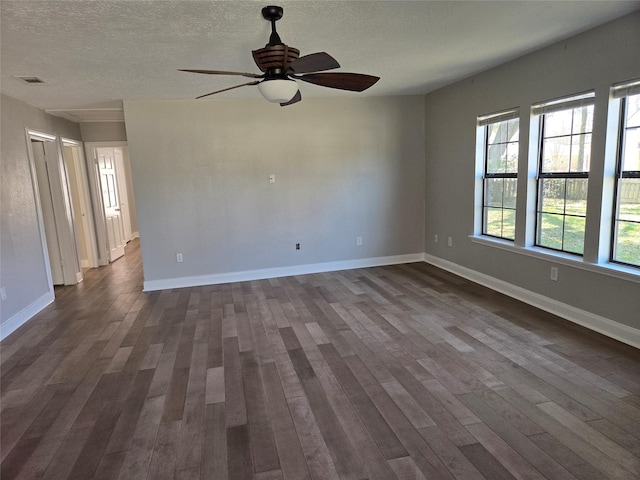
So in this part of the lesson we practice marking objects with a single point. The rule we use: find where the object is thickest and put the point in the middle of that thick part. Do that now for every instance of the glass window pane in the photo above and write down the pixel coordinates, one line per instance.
(496, 158)
(512, 157)
(626, 243)
(493, 192)
(576, 196)
(513, 126)
(582, 119)
(574, 234)
(493, 221)
(550, 231)
(556, 153)
(631, 159)
(509, 224)
(552, 195)
(510, 192)
(502, 150)
(497, 132)
(557, 123)
(629, 199)
(627, 246)
(633, 111)
(580, 153)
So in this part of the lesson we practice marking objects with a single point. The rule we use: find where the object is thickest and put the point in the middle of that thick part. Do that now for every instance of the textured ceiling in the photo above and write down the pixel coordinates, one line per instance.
(95, 53)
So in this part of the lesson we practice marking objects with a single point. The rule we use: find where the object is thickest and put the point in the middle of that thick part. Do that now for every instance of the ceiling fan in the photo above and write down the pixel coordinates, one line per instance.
(282, 66)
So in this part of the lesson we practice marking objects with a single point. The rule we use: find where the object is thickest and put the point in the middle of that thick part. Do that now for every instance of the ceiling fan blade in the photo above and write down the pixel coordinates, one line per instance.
(222, 72)
(314, 62)
(355, 82)
(225, 89)
(296, 98)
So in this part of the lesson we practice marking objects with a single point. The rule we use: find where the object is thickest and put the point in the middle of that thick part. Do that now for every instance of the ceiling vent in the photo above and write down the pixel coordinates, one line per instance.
(31, 80)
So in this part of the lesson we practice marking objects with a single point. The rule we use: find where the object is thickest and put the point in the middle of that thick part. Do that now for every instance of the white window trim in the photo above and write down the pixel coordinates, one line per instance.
(625, 89)
(615, 124)
(538, 110)
(605, 268)
(564, 103)
(481, 126)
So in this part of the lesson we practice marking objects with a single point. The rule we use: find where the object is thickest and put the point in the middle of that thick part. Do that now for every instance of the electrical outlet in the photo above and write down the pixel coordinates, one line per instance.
(179, 257)
(297, 246)
(3, 293)
(272, 178)
(358, 240)
(554, 274)
(450, 241)
(435, 238)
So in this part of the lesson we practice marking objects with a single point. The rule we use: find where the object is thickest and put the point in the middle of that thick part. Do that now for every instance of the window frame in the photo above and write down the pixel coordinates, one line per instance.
(485, 122)
(541, 111)
(621, 174)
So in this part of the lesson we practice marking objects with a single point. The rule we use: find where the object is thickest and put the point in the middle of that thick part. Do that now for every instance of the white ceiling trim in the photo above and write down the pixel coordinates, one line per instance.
(88, 115)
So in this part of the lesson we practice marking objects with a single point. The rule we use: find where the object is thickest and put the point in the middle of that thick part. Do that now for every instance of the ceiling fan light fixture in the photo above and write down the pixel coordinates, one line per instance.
(278, 90)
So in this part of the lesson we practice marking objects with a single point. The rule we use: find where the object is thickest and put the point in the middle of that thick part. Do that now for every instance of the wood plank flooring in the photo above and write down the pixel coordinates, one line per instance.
(399, 372)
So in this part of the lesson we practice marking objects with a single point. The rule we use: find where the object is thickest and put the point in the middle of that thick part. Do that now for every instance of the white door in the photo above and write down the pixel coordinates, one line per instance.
(124, 196)
(48, 218)
(110, 200)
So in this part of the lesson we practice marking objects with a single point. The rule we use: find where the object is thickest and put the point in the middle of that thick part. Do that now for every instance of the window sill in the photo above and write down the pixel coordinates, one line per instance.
(610, 269)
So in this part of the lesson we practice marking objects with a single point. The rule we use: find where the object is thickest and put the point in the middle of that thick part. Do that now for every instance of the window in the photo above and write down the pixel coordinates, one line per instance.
(555, 179)
(499, 190)
(563, 172)
(626, 226)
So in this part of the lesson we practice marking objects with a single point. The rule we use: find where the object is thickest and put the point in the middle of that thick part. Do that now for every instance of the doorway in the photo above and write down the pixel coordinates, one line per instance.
(55, 210)
(73, 155)
(113, 201)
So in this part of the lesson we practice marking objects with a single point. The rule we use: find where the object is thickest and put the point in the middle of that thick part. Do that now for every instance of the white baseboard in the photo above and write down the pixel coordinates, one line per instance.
(605, 326)
(196, 281)
(20, 318)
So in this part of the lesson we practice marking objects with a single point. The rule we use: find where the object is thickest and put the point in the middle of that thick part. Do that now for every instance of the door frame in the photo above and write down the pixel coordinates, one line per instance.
(88, 221)
(62, 210)
(95, 188)
(43, 137)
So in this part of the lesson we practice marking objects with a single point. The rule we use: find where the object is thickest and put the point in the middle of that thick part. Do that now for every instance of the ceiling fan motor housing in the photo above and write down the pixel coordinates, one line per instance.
(275, 56)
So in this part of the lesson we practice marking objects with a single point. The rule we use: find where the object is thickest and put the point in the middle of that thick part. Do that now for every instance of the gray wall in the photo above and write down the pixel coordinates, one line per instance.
(593, 60)
(22, 264)
(103, 132)
(344, 168)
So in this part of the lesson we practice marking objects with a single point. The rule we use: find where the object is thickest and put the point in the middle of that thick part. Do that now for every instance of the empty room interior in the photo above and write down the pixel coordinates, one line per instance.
(320, 240)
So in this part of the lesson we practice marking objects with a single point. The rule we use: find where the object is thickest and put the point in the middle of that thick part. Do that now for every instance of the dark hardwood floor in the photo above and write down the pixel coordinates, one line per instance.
(401, 372)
